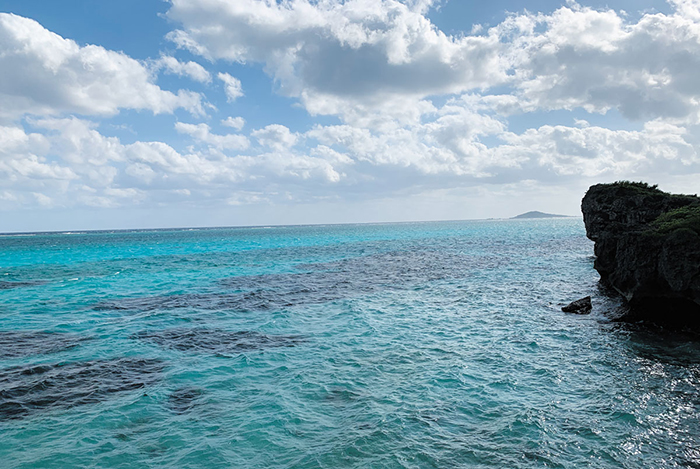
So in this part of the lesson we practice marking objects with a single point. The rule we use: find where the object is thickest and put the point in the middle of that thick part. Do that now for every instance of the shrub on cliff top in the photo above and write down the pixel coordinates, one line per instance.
(684, 217)
(638, 186)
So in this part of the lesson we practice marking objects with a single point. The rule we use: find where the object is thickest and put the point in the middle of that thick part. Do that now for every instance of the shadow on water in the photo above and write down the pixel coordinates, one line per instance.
(321, 283)
(655, 343)
(30, 389)
(16, 344)
(216, 340)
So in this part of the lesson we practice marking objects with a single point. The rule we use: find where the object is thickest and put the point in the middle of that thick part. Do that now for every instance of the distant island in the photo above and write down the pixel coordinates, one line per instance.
(538, 215)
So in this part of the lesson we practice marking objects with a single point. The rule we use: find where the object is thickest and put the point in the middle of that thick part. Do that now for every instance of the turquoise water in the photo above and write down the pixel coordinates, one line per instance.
(421, 345)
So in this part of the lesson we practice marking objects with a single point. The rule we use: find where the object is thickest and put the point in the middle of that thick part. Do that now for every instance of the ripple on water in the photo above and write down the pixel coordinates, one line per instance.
(395, 346)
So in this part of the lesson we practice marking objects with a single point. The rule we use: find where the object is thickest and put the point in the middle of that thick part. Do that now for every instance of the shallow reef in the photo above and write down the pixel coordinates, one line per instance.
(30, 389)
(317, 283)
(216, 340)
(16, 344)
(184, 399)
(9, 285)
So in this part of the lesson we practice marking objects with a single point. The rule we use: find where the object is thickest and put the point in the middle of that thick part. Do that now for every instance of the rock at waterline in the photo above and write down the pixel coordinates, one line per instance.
(582, 306)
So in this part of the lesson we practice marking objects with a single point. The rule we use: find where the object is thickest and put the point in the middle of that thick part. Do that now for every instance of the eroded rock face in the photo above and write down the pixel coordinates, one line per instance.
(647, 247)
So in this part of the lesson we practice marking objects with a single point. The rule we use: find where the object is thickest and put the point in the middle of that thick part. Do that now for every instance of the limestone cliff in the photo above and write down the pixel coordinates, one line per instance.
(647, 247)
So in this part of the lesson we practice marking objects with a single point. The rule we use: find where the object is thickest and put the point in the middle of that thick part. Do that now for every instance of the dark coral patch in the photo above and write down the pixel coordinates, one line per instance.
(31, 389)
(184, 399)
(16, 344)
(216, 340)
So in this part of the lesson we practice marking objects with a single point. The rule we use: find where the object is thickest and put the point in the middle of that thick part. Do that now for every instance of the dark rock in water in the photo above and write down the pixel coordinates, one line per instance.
(582, 306)
(15, 344)
(184, 399)
(31, 389)
(647, 247)
(216, 340)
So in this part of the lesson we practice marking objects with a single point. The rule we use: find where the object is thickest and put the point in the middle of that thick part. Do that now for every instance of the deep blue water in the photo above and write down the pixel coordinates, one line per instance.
(420, 345)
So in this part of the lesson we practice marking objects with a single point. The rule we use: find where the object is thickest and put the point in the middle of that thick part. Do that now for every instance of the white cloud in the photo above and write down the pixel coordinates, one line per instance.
(415, 113)
(583, 58)
(335, 161)
(450, 148)
(23, 159)
(141, 172)
(26, 170)
(45, 74)
(43, 200)
(352, 51)
(189, 69)
(79, 143)
(356, 58)
(596, 151)
(234, 122)
(232, 86)
(275, 136)
(687, 8)
(202, 133)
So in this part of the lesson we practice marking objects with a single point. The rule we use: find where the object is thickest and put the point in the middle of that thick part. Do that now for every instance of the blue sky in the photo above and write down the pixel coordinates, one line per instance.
(138, 114)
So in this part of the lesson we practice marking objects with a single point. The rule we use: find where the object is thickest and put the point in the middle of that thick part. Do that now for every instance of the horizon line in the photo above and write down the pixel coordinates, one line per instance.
(267, 225)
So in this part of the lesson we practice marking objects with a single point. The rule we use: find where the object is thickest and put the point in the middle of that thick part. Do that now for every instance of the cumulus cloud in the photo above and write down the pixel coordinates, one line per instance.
(419, 110)
(583, 58)
(45, 74)
(79, 143)
(24, 158)
(202, 133)
(189, 69)
(597, 151)
(451, 145)
(350, 50)
(26, 173)
(353, 58)
(232, 86)
(687, 8)
(275, 136)
(234, 122)
(74, 164)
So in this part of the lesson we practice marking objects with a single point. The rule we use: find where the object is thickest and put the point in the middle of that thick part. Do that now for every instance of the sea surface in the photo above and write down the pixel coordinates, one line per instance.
(415, 345)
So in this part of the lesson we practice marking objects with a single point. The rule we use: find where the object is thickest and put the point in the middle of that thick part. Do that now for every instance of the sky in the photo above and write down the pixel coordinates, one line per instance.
(184, 113)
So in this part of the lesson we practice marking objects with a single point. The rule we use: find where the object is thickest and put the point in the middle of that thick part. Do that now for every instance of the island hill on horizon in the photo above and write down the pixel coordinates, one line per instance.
(536, 214)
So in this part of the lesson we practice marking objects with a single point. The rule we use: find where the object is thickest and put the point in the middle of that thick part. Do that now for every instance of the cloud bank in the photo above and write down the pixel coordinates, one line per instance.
(418, 110)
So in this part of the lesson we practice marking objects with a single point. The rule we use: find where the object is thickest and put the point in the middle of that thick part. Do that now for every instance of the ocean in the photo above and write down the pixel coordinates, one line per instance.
(409, 345)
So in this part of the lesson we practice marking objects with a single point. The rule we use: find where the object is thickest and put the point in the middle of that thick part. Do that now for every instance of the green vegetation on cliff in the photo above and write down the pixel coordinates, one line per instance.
(647, 247)
(687, 217)
(640, 186)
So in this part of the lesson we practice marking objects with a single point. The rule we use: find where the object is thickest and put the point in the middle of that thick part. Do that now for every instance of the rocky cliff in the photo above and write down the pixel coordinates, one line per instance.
(647, 247)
